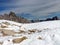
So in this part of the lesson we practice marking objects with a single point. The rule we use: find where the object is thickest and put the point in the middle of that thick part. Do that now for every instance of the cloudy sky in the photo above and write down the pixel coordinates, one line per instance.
(31, 9)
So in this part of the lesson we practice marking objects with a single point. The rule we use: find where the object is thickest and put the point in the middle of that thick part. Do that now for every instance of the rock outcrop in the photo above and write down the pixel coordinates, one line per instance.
(13, 17)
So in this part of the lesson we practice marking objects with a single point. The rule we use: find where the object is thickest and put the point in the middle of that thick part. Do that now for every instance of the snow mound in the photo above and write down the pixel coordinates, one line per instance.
(42, 25)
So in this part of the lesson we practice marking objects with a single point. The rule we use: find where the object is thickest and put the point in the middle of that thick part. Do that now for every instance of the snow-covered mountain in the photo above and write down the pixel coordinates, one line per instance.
(41, 33)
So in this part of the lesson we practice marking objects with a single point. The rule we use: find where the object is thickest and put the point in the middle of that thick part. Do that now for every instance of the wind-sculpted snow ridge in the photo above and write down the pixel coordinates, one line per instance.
(41, 33)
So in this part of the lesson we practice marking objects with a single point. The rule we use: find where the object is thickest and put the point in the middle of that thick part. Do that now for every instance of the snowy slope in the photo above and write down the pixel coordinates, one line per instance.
(11, 25)
(41, 33)
(39, 25)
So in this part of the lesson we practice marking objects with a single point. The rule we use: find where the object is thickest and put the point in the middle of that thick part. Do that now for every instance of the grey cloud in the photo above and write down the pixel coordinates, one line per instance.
(36, 7)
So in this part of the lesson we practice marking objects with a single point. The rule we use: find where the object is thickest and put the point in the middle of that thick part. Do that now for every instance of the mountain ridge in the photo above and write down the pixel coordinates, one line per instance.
(13, 17)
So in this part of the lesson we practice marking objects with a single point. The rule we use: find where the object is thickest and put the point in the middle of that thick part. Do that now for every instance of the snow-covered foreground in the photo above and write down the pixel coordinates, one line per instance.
(41, 33)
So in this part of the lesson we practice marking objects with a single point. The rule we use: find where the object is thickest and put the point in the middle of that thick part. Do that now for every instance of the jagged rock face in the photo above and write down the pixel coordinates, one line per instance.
(12, 16)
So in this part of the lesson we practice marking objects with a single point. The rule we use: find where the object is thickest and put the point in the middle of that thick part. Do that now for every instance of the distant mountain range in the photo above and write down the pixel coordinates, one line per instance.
(13, 17)
(47, 19)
